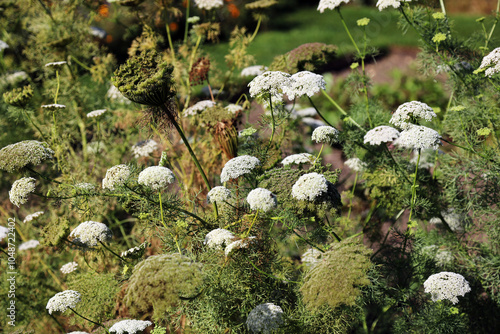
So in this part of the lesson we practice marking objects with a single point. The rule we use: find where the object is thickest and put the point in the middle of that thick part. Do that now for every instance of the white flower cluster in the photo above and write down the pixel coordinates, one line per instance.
(455, 221)
(446, 285)
(89, 233)
(4, 231)
(330, 4)
(3, 45)
(301, 158)
(69, 267)
(265, 318)
(56, 64)
(20, 190)
(262, 199)
(253, 71)
(218, 194)
(233, 108)
(135, 252)
(356, 164)
(218, 237)
(85, 186)
(114, 94)
(63, 300)
(238, 244)
(96, 113)
(414, 109)
(311, 257)
(156, 177)
(193, 19)
(28, 245)
(237, 167)
(309, 187)
(208, 4)
(198, 107)
(419, 137)
(54, 106)
(325, 134)
(144, 148)
(383, 4)
(130, 326)
(270, 83)
(443, 257)
(381, 134)
(304, 83)
(491, 63)
(16, 77)
(33, 216)
(115, 176)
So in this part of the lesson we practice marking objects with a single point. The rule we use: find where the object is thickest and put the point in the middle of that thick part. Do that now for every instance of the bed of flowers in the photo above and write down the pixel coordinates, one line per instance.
(164, 193)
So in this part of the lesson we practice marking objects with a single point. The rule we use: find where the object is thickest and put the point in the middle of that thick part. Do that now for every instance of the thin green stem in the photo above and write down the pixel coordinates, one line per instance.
(414, 189)
(80, 63)
(319, 154)
(273, 126)
(33, 123)
(164, 225)
(112, 252)
(169, 37)
(365, 86)
(341, 110)
(95, 323)
(251, 225)
(396, 164)
(443, 9)
(187, 23)
(347, 30)
(320, 115)
(497, 16)
(57, 87)
(256, 30)
(352, 195)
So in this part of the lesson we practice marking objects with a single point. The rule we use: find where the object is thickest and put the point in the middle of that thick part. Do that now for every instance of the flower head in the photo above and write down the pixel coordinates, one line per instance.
(96, 113)
(409, 111)
(383, 4)
(325, 134)
(238, 244)
(491, 63)
(446, 285)
(89, 233)
(198, 107)
(115, 176)
(253, 71)
(265, 318)
(233, 108)
(356, 164)
(130, 326)
(419, 137)
(114, 94)
(19, 97)
(28, 245)
(238, 166)
(3, 45)
(208, 4)
(32, 216)
(381, 134)
(304, 83)
(20, 190)
(156, 177)
(25, 153)
(218, 237)
(63, 300)
(218, 194)
(85, 186)
(56, 64)
(301, 158)
(262, 199)
(309, 187)
(144, 148)
(311, 257)
(54, 107)
(69, 267)
(330, 4)
(270, 83)
(135, 252)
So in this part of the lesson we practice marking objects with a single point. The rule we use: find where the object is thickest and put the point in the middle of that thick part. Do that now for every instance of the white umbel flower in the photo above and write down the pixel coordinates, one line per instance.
(114, 94)
(85, 186)
(238, 166)
(218, 237)
(20, 190)
(115, 176)
(356, 164)
(301, 158)
(218, 194)
(54, 106)
(265, 318)
(56, 64)
(209, 4)
(325, 134)
(135, 252)
(330, 4)
(144, 148)
(311, 257)
(446, 285)
(253, 71)
(419, 137)
(130, 326)
(269, 83)
(198, 107)
(96, 113)
(383, 4)
(262, 199)
(63, 300)
(233, 108)
(28, 245)
(411, 110)
(90, 233)
(156, 177)
(304, 83)
(69, 267)
(309, 186)
(33, 216)
(381, 134)
(491, 63)
(238, 244)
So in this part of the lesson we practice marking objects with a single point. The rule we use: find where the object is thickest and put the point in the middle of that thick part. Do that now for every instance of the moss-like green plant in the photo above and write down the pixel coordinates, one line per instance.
(19, 97)
(23, 154)
(337, 279)
(307, 57)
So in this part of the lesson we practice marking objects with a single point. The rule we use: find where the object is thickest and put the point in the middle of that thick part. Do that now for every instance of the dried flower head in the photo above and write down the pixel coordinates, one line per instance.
(253, 71)
(69, 267)
(144, 148)
(130, 326)
(383, 4)
(270, 83)
(309, 186)
(265, 318)
(301, 158)
(28, 245)
(218, 194)
(208, 4)
(491, 63)
(238, 244)
(33, 216)
(325, 134)
(446, 285)
(96, 113)
(198, 107)
(304, 83)
(89, 233)
(262, 199)
(311, 257)
(408, 112)
(19, 97)
(330, 4)
(26, 153)
(63, 300)
(156, 177)
(20, 190)
(115, 176)
(381, 134)
(218, 237)
(356, 164)
(199, 71)
(238, 166)
(419, 137)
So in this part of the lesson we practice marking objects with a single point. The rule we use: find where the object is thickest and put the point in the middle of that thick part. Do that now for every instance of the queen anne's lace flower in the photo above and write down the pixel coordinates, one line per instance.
(265, 318)
(208, 4)
(69, 267)
(381, 134)
(135, 252)
(410, 110)
(115, 176)
(198, 107)
(130, 326)
(309, 187)
(304, 83)
(114, 94)
(218, 194)
(24, 153)
(96, 113)
(330, 4)
(89, 233)
(325, 134)
(238, 244)
(56, 64)
(218, 237)
(28, 245)
(20, 190)
(238, 166)
(262, 199)
(33, 216)
(311, 257)
(63, 300)
(269, 83)
(383, 4)
(144, 148)
(446, 285)
(156, 177)
(301, 158)
(356, 164)
(85, 186)
(54, 106)
(419, 137)
(253, 71)
(233, 108)
(491, 63)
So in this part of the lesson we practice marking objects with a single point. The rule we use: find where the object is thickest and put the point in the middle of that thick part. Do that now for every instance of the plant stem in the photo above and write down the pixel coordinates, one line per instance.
(319, 154)
(497, 15)
(272, 120)
(112, 252)
(169, 37)
(33, 123)
(414, 189)
(256, 30)
(347, 30)
(441, 2)
(254, 219)
(341, 110)
(352, 195)
(164, 225)
(320, 115)
(95, 323)
(187, 23)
